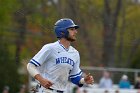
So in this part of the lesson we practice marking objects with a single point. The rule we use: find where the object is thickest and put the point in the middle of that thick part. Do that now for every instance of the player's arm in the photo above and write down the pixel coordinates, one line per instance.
(79, 80)
(37, 61)
(75, 79)
(76, 75)
(32, 69)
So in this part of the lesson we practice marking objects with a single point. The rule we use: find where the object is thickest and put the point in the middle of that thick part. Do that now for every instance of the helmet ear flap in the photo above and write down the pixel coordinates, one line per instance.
(66, 33)
(62, 32)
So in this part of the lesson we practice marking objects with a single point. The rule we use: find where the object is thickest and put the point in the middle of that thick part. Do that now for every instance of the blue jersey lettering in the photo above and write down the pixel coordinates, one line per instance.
(65, 60)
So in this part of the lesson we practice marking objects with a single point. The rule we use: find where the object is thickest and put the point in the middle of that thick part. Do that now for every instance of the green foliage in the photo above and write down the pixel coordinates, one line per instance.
(39, 31)
(8, 69)
(136, 60)
(130, 32)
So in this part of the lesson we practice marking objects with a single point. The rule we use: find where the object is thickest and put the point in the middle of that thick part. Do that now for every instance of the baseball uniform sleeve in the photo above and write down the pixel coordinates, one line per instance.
(41, 56)
(75, 73)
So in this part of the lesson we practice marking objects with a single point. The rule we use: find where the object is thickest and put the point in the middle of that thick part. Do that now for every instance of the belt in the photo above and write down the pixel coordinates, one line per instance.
(59, 91)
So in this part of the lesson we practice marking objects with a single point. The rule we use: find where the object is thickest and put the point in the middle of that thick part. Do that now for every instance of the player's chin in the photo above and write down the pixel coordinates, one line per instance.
(71, 39)
(74, 39)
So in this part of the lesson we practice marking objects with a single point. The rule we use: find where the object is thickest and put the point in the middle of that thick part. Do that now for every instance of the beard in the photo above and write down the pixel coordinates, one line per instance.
(70, 39)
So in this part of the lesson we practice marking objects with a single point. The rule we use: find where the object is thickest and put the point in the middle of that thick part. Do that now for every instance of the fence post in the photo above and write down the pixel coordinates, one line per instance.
(136, 75)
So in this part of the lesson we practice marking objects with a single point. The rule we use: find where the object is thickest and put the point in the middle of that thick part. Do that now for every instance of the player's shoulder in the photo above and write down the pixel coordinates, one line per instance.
(50, 45)
(73, 49)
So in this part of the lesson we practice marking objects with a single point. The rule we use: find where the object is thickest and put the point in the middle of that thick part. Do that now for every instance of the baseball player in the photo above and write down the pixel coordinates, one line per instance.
(58, 63)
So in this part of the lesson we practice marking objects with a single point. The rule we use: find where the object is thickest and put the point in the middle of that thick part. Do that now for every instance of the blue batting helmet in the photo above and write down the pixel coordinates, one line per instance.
(61, 27)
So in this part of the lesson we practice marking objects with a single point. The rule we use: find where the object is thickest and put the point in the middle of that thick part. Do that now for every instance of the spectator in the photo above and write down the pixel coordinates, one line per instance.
(85, 91)
(6, 89)
(138, 91)
(106, 81)
(117, 91)
(124, 83)
(76, 89)
(106, 91)
(137, 84)
(22, 89)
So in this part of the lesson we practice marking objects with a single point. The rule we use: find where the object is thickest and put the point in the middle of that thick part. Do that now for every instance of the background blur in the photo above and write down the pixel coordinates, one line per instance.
(109, 34)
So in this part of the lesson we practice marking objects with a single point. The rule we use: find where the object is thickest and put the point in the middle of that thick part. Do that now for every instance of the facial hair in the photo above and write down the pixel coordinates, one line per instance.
(70, 39)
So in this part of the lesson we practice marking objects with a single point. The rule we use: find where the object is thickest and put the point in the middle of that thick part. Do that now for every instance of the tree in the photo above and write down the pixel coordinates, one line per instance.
(8, 69)
(110, 22)
(20, 18)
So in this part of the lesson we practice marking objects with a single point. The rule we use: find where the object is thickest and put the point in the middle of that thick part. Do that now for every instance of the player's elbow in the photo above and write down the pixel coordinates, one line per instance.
(28, 67)
(32, 69)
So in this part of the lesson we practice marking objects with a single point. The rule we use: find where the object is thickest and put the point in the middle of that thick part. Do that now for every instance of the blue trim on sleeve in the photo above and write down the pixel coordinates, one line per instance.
(33, 63)
(36, 62)
(79, 74)
(76, 81)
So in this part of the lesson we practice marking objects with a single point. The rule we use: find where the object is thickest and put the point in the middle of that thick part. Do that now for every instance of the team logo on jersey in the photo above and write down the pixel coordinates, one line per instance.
(65, 60)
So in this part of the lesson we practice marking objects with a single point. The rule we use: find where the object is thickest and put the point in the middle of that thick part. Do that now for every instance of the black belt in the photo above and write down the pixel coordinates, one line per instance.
(59, 91)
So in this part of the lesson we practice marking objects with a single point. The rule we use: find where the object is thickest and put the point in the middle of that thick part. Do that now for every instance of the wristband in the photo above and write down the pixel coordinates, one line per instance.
(82, 81)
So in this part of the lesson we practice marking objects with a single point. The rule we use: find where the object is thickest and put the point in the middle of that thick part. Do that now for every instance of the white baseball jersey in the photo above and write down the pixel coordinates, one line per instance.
(57, 64)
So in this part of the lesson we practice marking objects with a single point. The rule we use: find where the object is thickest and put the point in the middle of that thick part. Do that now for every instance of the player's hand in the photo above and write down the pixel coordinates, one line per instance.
(46, 83)
(89, 79)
